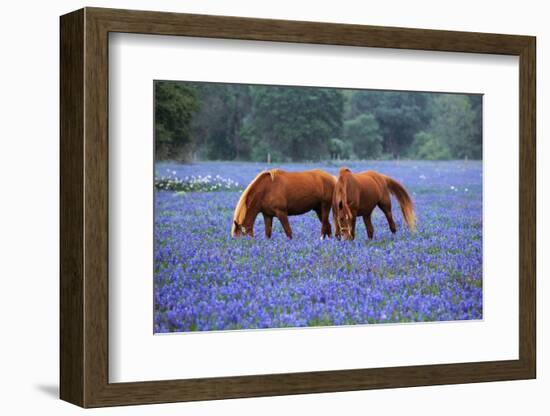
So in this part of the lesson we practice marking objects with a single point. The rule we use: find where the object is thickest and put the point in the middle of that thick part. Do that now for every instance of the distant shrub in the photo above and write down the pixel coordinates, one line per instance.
(364, 135)
(426, 146)
(261, 152)
(340, 149)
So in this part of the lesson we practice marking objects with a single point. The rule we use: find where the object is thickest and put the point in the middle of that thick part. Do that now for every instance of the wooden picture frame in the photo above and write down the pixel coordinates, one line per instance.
(84, 207)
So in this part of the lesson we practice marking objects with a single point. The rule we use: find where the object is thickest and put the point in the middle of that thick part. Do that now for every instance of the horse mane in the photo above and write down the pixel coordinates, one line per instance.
(240, 209)
(341, 185)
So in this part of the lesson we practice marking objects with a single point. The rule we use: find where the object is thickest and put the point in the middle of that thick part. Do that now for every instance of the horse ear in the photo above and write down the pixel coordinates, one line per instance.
(236, 224)
(343, 170)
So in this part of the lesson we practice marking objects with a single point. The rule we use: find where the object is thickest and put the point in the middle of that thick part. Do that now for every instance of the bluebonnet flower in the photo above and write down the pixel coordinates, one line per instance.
(206, 280)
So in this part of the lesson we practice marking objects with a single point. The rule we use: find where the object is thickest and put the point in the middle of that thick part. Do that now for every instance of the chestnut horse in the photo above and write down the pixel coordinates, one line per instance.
(357, 194)
(277, 193)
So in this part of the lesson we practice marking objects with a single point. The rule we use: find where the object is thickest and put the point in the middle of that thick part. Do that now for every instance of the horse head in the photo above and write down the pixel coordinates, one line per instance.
(247, 206)
(342, 212)
(344, 219)
(241, 230)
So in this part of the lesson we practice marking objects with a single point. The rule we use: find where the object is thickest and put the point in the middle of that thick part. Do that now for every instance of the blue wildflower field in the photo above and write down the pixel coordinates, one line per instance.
(206, 280)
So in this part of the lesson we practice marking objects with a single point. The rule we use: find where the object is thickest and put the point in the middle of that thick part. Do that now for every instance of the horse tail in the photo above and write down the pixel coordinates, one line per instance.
(405, 202)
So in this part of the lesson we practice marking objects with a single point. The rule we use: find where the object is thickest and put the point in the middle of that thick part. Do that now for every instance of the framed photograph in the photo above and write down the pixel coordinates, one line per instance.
(255, 207)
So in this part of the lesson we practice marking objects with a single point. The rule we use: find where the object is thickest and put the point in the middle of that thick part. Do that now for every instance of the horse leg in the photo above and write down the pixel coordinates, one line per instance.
(353, 222)
(337, 231)
(268, 221)
(368, 225)
(325, 212)
(283, 218)
(322, 214)
(385, 206)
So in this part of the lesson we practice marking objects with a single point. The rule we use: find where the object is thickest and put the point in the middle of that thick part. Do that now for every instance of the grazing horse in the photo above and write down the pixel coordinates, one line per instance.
(357, 194)
(277, 193)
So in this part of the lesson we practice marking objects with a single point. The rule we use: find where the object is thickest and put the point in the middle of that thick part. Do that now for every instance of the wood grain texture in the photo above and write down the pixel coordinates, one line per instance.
(84, 207)
(527, 208)
(226, 27)
(71, 185)
(96, 208)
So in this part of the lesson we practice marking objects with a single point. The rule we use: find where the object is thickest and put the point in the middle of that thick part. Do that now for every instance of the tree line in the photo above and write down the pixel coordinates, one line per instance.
(214, 121)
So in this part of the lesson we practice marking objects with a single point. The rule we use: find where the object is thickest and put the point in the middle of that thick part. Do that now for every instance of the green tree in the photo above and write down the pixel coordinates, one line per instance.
(363, 133)
(400, 116)
(427, 147)
(217, 126)
(476, 103)
(339, 149)
(454, 131)
(294, 123)
(175, 105)
(455, 123)
(215, 121)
